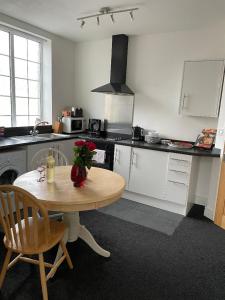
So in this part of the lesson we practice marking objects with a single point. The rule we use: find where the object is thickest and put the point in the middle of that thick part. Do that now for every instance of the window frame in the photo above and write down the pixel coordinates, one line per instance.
(34, 38)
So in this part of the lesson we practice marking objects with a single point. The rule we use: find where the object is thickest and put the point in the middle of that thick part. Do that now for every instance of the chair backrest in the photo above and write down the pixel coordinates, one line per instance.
(21, 226)
(40, 158)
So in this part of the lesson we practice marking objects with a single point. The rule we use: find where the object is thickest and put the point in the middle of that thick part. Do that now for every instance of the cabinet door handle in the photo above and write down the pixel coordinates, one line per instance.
(115, 158)
(134, 159)
(184, 101)
(178, 171)
(177, 182)
(178, 159)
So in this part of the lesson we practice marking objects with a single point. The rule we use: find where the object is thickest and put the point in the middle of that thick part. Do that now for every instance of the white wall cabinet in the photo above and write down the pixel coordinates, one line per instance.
(122, 158)
(201, 88)
(148, 172)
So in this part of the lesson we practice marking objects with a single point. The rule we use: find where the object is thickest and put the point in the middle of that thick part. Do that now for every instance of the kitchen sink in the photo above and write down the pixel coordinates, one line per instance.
(39, 137)
(52, 135)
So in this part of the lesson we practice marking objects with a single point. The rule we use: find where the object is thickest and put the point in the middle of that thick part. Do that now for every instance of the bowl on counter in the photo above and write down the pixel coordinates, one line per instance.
(152, 137)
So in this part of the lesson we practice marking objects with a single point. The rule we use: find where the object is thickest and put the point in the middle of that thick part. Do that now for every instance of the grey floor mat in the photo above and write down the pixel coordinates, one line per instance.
(148, 216)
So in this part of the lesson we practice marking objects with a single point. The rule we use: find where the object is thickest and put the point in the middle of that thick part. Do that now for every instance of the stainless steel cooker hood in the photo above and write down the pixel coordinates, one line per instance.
(117, 84)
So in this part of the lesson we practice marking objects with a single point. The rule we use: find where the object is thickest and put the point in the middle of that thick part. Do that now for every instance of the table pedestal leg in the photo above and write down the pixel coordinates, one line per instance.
(75, 231)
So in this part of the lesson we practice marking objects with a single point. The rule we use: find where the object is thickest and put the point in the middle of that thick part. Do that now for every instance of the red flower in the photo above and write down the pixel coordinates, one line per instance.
(91, 146)
(79, 143)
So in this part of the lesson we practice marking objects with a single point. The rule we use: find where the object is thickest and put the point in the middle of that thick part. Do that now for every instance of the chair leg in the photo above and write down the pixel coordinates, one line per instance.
(43, 277)
(4, 267)
(64, 249)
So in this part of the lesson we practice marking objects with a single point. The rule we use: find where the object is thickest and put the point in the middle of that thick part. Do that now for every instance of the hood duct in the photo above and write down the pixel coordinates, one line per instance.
(117, 84)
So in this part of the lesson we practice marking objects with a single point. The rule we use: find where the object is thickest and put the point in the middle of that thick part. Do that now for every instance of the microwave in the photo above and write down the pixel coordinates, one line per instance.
(73, 124)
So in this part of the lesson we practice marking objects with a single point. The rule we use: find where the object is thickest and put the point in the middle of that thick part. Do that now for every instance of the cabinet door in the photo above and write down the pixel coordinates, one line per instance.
(33, 149)
(121, 166)
(201, 88)
(148, 172)
(66, 147)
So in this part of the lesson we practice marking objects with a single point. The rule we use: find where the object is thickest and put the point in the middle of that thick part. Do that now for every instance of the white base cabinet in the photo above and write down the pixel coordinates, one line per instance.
(160, 179)
(148, 172)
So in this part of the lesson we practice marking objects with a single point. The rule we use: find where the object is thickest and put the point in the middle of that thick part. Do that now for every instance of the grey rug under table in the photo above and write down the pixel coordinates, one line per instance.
(148, 216)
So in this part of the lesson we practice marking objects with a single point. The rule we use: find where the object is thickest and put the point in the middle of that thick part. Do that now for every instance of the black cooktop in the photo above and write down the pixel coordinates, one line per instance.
(105, 137)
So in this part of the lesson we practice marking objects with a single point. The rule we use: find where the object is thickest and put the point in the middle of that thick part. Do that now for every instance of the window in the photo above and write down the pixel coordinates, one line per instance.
(20, 78)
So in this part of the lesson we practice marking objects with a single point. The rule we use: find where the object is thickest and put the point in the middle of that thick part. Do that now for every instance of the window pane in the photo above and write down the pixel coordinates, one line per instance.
(22, 106)
(20, 68)
(34, 106)
(4, 65)
(21, 120)
(34, 89)
(33, 70)
(4, 42)
(33, 51)
(4, 86)
(5, 121)
(20, 47)
(32, 120)
(21, 87)
(5, 106)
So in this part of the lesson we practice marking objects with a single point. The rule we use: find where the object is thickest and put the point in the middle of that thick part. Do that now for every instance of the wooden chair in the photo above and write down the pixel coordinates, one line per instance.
(29, 231)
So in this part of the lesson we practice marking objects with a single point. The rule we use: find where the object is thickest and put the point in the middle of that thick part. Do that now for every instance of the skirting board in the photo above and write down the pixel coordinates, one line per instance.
(209, 213)
(162, 204)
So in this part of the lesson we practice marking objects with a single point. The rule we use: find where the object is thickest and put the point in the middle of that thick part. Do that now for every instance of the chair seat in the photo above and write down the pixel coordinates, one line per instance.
(25, 246)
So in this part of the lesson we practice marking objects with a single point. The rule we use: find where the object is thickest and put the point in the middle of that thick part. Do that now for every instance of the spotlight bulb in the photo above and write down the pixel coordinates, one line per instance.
(131, 15)
(112, 18)
(82, 24)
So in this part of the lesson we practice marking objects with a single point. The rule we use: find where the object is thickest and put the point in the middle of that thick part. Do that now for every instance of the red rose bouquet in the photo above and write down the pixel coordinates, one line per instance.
(83, 153)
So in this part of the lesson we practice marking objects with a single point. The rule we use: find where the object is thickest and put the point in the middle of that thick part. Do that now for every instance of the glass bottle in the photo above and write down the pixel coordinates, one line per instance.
(50, 167)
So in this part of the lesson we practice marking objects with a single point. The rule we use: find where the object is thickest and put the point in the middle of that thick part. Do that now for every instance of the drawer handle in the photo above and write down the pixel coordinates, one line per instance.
(177, 182)
(178, 171)
(179, 159)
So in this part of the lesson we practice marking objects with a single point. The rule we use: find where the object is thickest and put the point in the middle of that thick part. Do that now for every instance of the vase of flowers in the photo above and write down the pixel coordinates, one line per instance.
(83, 155)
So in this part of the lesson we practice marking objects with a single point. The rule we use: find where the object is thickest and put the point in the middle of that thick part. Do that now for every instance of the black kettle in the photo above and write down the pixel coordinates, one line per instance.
(137, 133)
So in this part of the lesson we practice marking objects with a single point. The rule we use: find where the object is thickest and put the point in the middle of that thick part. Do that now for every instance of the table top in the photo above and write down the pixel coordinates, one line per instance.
(102, 187)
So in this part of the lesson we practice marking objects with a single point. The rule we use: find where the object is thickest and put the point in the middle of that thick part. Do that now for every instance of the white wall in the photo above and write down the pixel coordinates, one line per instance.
(62, 64)
(154, 72)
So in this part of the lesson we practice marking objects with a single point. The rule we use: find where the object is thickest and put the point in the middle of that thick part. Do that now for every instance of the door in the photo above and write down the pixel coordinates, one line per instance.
(220, 205)
(121, 165)
(66, 147)
(148, 172)
(201, 88)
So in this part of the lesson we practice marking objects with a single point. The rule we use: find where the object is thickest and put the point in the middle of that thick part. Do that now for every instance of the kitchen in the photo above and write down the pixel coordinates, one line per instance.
(155, 65)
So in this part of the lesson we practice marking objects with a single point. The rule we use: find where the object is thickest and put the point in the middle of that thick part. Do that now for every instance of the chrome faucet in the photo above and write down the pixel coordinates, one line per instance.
(34, 131)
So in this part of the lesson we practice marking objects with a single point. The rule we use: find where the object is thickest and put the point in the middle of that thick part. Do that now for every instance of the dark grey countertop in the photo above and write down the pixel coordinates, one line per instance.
(17, 141)
(159, 147)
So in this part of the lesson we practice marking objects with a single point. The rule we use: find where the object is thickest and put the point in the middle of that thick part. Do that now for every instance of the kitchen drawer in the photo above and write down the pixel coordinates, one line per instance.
(178, 176)
(179, 165)
(176, 192)
(181, 157)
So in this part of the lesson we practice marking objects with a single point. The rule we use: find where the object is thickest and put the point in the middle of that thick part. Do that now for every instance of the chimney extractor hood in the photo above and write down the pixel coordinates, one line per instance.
(117, 84)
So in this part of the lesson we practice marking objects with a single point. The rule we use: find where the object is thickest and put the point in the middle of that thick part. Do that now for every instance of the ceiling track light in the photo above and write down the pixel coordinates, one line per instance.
(107, 11)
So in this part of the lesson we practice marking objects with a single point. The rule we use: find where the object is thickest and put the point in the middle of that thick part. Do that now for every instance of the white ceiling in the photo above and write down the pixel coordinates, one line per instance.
(154, 16)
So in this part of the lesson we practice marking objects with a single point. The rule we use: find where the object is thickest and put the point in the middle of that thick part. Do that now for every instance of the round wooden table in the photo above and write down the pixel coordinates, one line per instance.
(101, 188)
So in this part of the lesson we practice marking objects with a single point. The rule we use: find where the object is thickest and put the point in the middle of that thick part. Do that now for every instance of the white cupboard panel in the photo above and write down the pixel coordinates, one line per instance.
(122, 157)
(176, 192)
(201, 88)
(148, 172)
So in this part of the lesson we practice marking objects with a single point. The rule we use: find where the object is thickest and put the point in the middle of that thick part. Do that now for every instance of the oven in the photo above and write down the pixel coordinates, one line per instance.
(108, 147)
